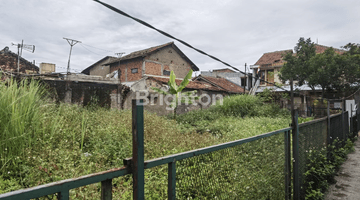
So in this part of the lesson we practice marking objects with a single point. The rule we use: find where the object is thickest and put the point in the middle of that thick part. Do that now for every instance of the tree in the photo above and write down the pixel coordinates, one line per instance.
(330, 70)
(334, 71)
(324, 70)
(176, 90)
(350, 68)
(297, 66)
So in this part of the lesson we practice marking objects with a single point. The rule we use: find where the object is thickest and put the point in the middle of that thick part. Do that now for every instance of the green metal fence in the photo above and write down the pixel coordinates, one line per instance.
(260, 166)
(319, 134)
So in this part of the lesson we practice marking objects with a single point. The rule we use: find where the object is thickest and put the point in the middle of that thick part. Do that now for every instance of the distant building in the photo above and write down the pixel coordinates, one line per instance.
(9, 63)
(98, 68)
(158, 61)
(47, 68)
(268, 67)
(235, 77)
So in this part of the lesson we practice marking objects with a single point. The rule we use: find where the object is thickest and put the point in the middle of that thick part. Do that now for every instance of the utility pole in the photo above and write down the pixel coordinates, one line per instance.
(72, 43)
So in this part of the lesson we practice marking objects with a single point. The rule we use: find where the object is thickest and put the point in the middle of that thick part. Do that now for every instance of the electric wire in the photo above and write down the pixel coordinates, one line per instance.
(98, 48)
(183, 42)
(190, 46)
(91, 51)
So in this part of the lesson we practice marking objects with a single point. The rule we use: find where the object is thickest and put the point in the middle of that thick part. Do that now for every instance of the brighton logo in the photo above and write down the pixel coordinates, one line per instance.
(170, 99)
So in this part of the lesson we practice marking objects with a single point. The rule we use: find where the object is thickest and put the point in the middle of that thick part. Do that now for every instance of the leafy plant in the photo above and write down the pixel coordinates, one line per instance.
(176, 90)
(322, 166)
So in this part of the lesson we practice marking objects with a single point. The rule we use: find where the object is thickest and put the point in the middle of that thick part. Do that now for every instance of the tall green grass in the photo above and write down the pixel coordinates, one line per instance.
(63, 141)
(20, 117)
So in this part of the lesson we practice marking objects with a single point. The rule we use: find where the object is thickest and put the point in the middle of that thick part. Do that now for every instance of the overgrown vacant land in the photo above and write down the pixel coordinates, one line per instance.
(42, 142)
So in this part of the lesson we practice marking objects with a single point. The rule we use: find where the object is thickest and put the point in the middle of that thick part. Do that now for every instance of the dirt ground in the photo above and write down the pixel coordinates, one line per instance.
(348, 179)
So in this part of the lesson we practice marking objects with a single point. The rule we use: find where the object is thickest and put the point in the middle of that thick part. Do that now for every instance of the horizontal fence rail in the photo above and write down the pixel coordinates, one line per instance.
(64, 186)
(176, 157)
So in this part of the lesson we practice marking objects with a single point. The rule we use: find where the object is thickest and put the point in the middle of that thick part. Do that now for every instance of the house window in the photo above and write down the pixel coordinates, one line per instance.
(166, 73)
(134, 70)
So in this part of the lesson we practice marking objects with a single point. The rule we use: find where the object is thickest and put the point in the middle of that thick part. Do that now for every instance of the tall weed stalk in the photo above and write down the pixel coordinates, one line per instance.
(20, 117)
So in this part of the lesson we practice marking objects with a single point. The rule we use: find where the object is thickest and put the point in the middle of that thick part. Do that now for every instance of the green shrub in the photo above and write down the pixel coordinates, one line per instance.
(322, 166)
(235, 109)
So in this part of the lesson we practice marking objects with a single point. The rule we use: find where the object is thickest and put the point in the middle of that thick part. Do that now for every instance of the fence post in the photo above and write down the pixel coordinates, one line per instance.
(351, 121)
(328, 124)
(296, 170)
(138, 149)
(358, 122)
(63, 195)
(106, 189)
(343, 123)
(171, 180)
(287, 165)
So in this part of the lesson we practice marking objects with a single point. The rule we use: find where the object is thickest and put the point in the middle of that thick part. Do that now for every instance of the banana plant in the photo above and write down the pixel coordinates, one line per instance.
(176, 90)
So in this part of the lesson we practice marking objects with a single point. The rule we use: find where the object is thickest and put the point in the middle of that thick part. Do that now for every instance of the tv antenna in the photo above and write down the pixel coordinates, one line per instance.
(72, 43)
(30, 48)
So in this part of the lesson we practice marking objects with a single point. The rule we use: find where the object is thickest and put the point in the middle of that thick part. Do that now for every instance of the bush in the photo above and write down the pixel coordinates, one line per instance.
(322, 166)
(234, 107)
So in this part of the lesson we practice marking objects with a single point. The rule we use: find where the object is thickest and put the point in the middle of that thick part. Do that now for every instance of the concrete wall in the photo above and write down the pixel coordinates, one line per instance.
(100, 70)
(85, 93)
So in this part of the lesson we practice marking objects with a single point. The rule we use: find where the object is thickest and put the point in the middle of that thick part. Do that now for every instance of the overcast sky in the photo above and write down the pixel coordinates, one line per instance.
(236, 31)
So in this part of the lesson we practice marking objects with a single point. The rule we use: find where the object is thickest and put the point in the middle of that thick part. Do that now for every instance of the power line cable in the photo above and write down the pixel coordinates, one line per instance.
(91, 51)
(188, 45)
(182, 42)
(97, 48)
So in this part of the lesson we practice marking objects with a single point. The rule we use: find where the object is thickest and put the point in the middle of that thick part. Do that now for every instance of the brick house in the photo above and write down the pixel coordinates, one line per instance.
(9, 60)
(159, 61)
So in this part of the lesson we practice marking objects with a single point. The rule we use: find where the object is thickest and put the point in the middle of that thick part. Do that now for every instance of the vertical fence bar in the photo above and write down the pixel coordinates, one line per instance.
(296, 170)
(358, 122)
(171, 180)
(351, 121)
(343, 123)
(328, 124)
(63, 195)
(138, 148)
(106, 189)
(287, 165)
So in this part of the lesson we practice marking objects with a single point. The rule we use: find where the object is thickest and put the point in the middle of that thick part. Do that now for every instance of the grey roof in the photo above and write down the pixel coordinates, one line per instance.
(286, 88)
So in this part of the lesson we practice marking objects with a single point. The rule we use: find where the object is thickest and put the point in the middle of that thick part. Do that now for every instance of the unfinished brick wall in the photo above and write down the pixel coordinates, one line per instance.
(125, 68)
(153, 68)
